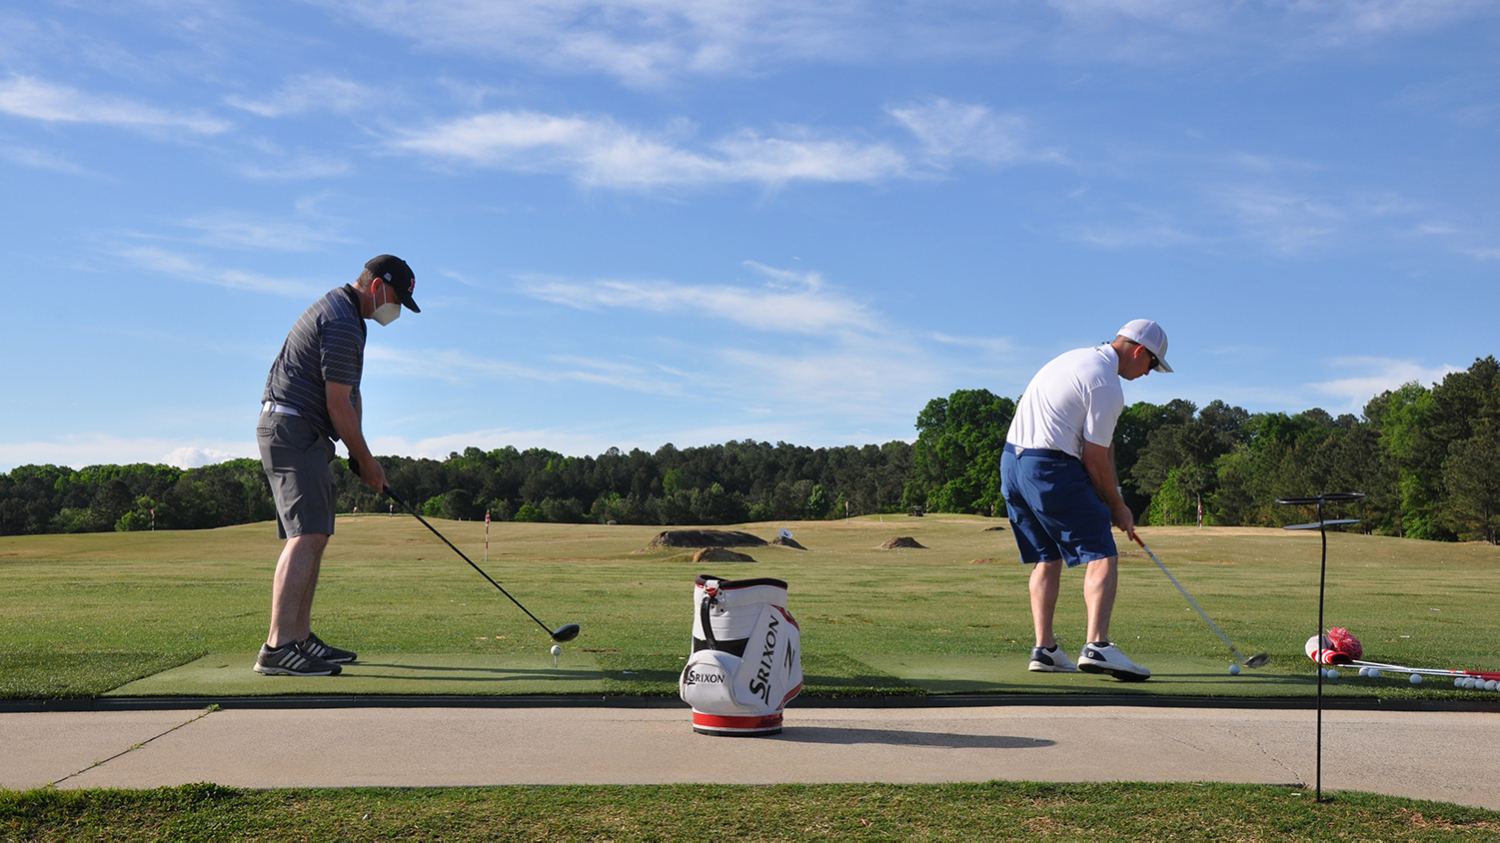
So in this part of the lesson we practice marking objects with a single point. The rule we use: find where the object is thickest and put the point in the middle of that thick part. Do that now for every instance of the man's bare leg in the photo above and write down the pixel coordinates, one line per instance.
(1046, 578)
(1099, 587)
(292, 589)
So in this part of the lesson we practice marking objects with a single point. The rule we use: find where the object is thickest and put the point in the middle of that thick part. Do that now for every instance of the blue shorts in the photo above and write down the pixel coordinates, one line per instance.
(1053, 508)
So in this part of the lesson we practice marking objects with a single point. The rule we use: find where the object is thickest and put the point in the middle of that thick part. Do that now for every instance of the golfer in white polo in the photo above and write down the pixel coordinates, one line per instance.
(1062, 493)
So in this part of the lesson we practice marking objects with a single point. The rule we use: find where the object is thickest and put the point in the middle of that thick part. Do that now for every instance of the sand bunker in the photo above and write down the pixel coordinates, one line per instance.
(705, 538)
(900, 542)
(719, 554)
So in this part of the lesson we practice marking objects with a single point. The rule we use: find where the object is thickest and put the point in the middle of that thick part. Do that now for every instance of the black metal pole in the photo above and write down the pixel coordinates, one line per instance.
(1322, 582)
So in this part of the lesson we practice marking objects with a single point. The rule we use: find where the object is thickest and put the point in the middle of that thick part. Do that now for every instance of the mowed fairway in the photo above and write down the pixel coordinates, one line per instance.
(84, 614)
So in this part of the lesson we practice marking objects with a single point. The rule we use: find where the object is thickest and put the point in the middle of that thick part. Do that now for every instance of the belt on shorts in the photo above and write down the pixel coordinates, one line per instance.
(1040, 452)
(285, 410)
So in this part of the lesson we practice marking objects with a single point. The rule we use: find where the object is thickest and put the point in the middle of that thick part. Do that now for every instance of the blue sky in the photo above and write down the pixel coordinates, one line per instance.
(648, 221)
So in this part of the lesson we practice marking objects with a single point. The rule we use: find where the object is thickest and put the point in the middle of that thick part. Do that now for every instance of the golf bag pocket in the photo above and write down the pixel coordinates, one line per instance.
(705, 683)
(746, 663)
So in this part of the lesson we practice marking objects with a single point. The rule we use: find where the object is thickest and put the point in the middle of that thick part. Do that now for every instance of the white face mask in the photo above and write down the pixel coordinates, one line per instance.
(387, 313)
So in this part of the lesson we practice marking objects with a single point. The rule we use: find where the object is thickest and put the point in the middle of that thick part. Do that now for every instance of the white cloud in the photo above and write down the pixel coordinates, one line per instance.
(1282, 221)
(241, 231)
(642, 42)
(774, 308)
(312, 92)
(185, 268)
(297, 168)
(597, 151)
(193, 456)
(40, 159)
(34, 99)
(1341, 19)
(1374, 375)
(949, 130)
(87, 449)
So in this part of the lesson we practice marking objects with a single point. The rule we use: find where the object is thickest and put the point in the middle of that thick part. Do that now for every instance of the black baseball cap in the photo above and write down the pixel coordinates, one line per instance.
(396, 273)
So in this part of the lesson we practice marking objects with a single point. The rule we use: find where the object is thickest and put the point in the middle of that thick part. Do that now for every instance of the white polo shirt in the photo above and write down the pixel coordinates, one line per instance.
(1074, 398)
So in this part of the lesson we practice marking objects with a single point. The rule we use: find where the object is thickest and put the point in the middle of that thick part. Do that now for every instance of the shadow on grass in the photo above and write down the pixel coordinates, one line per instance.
(443, 673)
(900, 737)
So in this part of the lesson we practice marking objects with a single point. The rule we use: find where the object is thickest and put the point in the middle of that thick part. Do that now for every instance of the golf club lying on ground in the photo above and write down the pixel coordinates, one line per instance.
(1257, 660)
(566, 632)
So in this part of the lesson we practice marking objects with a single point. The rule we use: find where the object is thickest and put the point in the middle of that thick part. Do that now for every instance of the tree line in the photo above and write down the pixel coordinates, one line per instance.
(1428, 460)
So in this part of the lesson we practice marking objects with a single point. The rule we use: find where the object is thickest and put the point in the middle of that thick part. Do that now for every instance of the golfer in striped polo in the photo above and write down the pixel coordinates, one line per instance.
(1057, 474)
(311, 400)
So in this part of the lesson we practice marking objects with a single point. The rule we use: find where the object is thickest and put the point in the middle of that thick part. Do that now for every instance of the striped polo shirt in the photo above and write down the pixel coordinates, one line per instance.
(326, 344)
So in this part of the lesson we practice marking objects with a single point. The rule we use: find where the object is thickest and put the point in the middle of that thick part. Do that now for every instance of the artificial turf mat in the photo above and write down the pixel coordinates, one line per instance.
(229, 675)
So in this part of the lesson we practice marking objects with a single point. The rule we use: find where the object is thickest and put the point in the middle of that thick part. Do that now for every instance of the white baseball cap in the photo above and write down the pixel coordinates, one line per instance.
(1149, 334)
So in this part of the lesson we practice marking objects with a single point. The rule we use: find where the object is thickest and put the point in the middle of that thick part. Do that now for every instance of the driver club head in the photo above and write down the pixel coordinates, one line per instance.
(1258, 660)
(566, 632)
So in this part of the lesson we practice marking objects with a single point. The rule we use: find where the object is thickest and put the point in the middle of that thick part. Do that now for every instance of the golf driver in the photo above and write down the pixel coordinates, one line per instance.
(566, 632)
(1257, 660)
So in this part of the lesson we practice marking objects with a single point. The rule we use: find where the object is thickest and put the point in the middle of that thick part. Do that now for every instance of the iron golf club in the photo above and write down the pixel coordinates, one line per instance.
(566, 632)
(1257, 660)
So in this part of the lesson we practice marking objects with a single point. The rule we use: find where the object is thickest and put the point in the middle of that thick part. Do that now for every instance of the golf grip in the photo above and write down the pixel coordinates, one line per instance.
(1194, 603)
(354, 467)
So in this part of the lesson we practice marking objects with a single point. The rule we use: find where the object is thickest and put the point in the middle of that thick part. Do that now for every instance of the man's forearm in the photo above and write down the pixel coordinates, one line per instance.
(346, 424)
(1100, 465)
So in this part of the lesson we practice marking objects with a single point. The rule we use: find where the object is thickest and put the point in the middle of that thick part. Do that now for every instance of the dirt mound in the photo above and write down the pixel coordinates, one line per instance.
(899, 542)
(993, 529)
(719, 554)
(783, 541)
(705, 538)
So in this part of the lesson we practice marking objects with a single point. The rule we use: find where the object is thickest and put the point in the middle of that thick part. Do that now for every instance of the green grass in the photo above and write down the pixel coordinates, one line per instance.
(86, 613)
(989, 811)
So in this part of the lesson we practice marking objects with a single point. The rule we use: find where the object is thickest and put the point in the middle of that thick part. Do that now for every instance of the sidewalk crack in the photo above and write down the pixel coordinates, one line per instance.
(210, 710)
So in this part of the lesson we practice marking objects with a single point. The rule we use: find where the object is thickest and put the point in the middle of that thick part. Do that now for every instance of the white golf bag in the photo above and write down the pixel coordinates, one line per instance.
(746, 663)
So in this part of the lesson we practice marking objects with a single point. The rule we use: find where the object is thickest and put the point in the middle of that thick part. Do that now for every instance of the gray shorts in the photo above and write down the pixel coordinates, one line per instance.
(296, 458)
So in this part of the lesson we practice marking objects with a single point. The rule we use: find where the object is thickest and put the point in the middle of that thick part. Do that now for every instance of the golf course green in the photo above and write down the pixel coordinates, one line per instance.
(183, 613)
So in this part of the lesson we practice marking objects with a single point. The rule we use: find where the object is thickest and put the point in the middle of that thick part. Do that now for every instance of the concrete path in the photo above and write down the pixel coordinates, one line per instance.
(1417, 754)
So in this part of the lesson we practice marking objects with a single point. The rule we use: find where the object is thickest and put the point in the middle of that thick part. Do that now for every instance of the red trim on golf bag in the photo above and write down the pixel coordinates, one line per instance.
(752, 723)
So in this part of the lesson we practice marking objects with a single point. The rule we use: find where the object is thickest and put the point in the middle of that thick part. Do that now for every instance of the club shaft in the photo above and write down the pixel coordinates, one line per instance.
(1428, 671)
(461, 555)
(1192, 602)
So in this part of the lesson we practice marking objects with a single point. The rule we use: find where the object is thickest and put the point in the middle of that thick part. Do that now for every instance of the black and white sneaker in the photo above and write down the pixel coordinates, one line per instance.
(1104, 657)
(289, 660)
(313, 646)
(1054, 660)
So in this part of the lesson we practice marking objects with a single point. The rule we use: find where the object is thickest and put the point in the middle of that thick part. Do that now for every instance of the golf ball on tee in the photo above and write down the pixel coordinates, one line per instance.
(556, 650)
(1416, 679)
(1234, 670)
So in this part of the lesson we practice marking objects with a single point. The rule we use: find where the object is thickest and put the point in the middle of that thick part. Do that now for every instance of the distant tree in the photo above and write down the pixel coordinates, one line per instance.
(1471, 474)
(956, 459)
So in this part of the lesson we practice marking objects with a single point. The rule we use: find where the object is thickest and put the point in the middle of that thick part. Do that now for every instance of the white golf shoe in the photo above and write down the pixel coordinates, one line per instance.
(1107, 658)
(1051, 661)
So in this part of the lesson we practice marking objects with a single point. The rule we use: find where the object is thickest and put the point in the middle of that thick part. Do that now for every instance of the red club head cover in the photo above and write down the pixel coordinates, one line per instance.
(1342, 641)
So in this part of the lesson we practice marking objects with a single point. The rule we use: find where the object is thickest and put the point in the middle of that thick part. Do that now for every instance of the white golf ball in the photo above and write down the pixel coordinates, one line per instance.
(556, 650)
(1490, 684)
(1459, 682)
(1374, 673)
(1332, 673)
(1364, 671)
(1416, 679)
(1234, 670)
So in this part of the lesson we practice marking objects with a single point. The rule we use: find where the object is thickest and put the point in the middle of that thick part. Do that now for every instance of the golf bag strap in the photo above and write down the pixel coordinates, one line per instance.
(708, 629)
